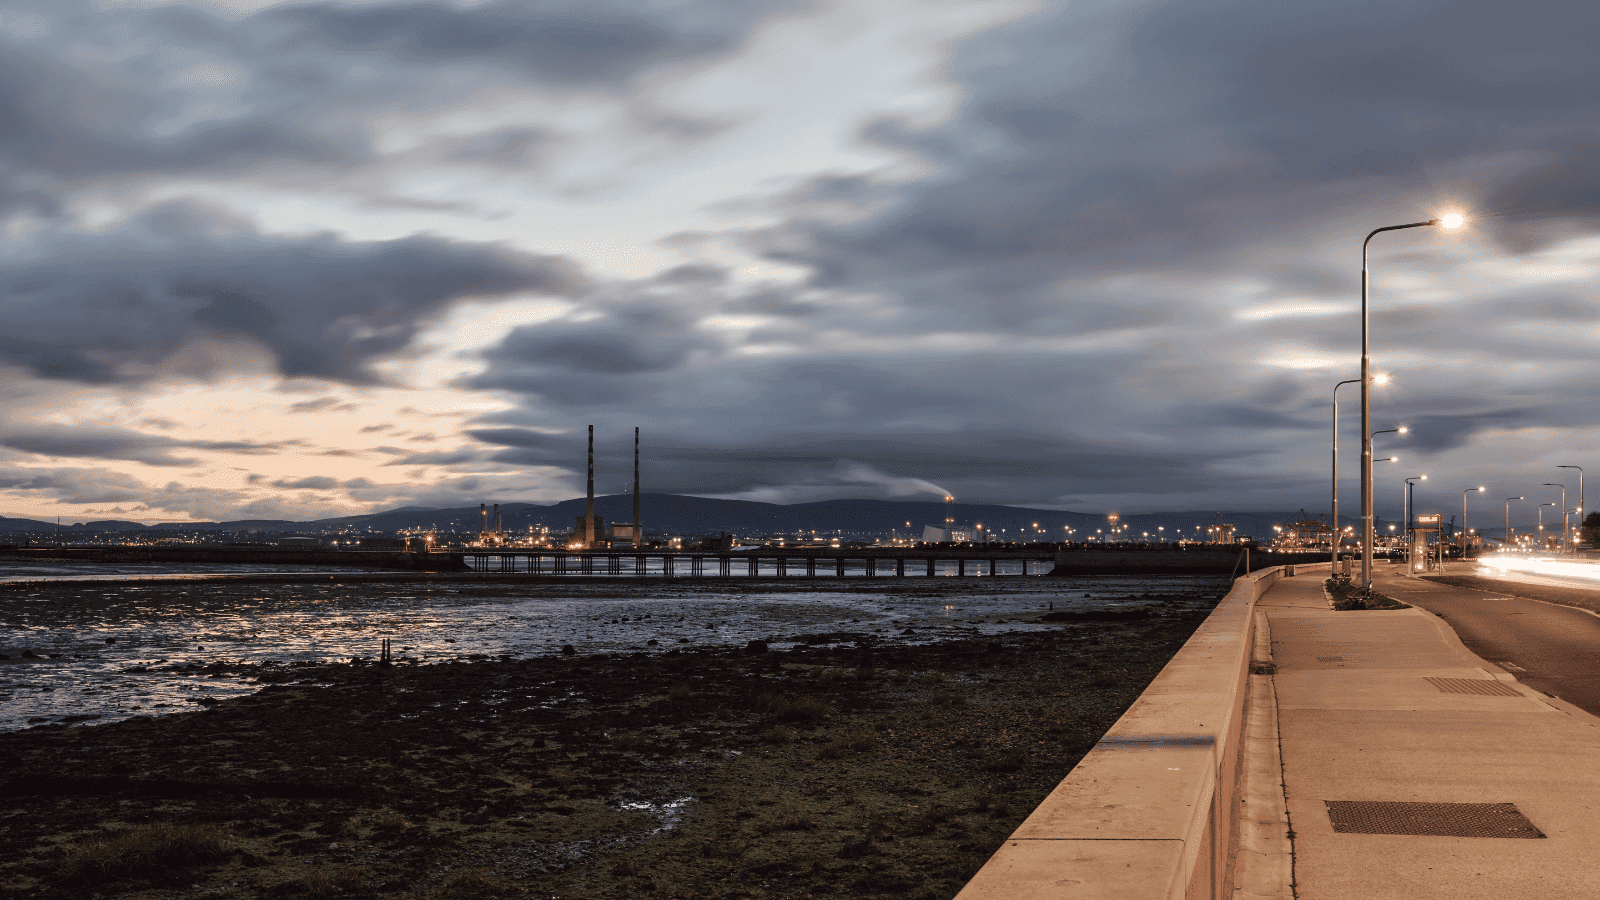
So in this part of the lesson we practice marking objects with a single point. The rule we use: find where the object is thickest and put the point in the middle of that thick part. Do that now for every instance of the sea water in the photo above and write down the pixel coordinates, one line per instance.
(109, 650)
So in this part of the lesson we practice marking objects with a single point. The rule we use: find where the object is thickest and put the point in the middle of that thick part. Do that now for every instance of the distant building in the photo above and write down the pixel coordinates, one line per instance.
(589, 531)
(958, 534)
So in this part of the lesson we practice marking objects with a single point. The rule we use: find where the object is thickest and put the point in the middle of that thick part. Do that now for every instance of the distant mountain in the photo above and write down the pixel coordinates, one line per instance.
(674, 514)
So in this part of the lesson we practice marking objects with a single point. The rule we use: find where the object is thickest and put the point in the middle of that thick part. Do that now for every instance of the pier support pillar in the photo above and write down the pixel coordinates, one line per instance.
(755, 566)
(811, 565)
(839, 567)
(961, 567)
(724, 566)
(930, 567)
(638, 565)
(992, 564)
(900, 567)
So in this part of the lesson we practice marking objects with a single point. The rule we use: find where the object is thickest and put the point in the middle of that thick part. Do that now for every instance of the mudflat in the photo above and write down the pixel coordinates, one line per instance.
(847, 767)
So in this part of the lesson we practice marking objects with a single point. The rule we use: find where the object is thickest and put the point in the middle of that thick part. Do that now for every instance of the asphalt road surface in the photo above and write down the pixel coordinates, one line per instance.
(1550, 648)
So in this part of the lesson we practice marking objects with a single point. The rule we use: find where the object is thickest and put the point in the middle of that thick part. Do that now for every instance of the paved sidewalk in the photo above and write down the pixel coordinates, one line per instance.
(1360, 720)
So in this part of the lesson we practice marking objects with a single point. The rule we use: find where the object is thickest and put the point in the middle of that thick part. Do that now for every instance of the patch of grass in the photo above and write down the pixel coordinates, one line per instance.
(147, 850)
(1348, 597)
(632, 741)
(928, 820)
(933, 678)
(951, 697)
(680, 693)
(833, 676)
(778, 734)
(899, 676)
(1005, 761)
(326, 884)
(472, 886)
(796, 709)
(865, 673)
(854, 742)
(794, 822)
(626, 868)
(563, 779)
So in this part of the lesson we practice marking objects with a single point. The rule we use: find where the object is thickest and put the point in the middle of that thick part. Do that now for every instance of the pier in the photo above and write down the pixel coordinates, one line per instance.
(765, 562)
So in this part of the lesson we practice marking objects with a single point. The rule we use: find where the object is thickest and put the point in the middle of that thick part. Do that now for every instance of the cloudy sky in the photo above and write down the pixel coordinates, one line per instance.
(310, 259)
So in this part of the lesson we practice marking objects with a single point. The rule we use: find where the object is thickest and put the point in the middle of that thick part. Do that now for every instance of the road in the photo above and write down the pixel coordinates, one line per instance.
(1550, 648)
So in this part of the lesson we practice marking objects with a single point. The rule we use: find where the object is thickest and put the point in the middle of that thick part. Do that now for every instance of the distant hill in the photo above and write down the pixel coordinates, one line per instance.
(677, 514)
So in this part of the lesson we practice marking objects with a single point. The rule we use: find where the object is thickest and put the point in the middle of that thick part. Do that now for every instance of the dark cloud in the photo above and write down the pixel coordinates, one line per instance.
(320, 404)
(74, 485)
(114, 308)
(440, 458)
(594, 359)
(311, 483)
(112, 443)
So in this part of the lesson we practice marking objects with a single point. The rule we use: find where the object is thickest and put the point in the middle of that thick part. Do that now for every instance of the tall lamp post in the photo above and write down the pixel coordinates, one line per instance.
(1563, 544)
(1405, 507)
(1579, 510)
(1335, 561)
(1449, 222)
(1508, 520)
(1480, 489)
(1541, 521)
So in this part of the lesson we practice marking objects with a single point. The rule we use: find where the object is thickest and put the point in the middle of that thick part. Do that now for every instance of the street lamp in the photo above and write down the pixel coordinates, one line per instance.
(1508, 520)
(1479, 489)
(1405, 507)
(1579, 510)
(1451, 222)
(1541, 521)
(1563, 511)
(1380, 378)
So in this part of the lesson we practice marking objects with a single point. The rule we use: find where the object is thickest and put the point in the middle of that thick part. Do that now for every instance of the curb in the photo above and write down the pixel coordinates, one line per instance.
(1264, 860)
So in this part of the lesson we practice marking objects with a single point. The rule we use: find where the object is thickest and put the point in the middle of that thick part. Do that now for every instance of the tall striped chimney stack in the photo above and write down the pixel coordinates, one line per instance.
(588, 513)
(638, 526)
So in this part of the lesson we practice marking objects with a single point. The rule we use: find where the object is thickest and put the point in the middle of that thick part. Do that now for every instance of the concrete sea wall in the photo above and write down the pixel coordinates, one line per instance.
(1174, 561)
(1148, 812)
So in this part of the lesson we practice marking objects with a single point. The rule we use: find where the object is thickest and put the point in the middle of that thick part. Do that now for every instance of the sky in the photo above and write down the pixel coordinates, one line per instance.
(300, 260)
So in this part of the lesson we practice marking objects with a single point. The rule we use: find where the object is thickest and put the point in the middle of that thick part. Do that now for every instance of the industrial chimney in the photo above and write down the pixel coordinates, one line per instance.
(483, 520)
(497, 520)
(588, 513)
(638, 527)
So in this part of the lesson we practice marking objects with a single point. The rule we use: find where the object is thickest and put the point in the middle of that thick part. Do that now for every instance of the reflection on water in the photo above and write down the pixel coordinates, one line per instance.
(110, 651)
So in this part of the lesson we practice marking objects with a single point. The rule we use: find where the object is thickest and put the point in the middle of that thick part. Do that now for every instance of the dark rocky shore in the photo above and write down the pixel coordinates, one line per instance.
(845, 768)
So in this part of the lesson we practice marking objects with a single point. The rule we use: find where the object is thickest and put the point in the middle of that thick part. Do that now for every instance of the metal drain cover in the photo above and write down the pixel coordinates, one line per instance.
(1490, 820)
(1482, 686)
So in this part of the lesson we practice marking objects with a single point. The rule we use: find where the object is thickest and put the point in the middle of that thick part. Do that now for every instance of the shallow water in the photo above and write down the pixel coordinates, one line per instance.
(114, 650)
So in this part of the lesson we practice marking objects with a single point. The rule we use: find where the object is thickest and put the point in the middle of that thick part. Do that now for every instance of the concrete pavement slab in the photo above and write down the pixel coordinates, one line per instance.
(1359, 720)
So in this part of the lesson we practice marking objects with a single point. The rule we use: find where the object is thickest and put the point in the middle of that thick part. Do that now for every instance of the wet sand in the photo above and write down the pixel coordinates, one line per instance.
(849, 766)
